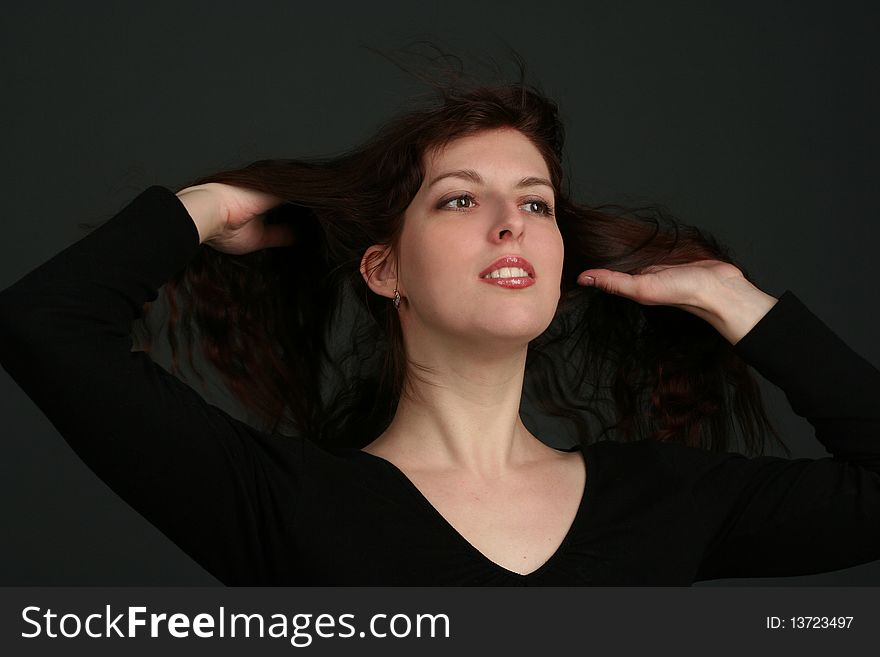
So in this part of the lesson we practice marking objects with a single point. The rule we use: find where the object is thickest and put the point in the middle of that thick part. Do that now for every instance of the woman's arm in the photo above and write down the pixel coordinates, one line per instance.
(206, 480)
(771, 516)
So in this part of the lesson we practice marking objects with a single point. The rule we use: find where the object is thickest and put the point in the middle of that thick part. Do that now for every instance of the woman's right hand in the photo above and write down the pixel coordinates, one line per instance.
(230, 219)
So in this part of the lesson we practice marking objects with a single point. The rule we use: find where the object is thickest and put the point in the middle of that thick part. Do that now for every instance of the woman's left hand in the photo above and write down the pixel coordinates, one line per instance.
(714, 290)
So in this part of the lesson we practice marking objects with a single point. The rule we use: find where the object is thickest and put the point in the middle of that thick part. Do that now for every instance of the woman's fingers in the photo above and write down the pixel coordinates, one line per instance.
(681, 285)
(613, 282)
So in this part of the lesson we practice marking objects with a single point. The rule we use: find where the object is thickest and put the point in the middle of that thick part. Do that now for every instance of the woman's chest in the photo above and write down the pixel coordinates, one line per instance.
(363, 521)
(516, 525)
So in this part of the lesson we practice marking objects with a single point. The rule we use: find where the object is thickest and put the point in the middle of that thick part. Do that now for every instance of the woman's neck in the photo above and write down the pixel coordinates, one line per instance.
(462, 414)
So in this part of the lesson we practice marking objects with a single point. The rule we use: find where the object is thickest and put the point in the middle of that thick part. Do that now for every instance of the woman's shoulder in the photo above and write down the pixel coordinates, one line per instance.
(652, 458)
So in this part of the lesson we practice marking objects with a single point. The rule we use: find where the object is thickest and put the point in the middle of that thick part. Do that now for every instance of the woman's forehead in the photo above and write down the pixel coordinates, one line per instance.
(488, 148)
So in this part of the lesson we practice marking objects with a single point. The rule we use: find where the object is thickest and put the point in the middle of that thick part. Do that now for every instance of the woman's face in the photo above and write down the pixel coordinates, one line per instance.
(484, 196)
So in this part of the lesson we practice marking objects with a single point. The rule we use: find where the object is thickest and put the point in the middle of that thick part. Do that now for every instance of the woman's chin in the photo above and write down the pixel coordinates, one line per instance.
(512, 333)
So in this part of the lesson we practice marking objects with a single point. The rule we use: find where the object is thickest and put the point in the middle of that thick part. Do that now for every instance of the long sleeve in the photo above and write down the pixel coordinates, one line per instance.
(770, 516)
(201, 476)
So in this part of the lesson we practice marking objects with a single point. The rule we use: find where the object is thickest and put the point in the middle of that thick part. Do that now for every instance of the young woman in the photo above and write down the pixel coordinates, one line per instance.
(474, 270)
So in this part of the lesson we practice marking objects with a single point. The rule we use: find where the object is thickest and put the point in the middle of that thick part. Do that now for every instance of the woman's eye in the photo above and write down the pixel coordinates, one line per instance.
(545, 208)
(466, 201)
(542, 207)
(457, 206)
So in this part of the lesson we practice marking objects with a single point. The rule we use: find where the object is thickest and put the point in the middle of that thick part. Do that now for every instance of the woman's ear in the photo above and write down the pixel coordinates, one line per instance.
(379, 271)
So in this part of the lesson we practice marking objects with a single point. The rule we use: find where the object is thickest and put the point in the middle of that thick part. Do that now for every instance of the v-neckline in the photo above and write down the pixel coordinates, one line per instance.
(578, 516)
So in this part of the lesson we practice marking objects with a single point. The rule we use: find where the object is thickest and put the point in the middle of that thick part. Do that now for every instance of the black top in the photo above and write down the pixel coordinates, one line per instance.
(257, 509)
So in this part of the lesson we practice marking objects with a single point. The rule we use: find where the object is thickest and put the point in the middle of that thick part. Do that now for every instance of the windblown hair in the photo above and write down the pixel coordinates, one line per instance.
(612, 367)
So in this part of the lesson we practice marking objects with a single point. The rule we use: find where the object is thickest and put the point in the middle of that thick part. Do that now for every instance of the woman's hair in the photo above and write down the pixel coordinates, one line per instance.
(610, 366)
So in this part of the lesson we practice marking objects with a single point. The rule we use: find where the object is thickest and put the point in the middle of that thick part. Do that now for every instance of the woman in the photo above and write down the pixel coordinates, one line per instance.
(436, 480)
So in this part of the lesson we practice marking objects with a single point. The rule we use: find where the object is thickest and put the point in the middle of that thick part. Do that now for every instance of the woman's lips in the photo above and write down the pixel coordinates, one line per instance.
(511, 282)
(510, 260)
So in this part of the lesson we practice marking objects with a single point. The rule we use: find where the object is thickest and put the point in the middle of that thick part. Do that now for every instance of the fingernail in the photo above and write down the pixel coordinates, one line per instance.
(588, 280)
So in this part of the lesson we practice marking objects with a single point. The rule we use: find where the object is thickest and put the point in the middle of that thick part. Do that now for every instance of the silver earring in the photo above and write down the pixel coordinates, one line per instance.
(396, 299)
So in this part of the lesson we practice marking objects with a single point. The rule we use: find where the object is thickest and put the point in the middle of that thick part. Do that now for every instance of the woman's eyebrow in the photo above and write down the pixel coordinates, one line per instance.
(474, 177)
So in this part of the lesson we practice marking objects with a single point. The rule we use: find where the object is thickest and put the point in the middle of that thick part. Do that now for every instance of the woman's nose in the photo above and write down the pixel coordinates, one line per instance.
(509, 222)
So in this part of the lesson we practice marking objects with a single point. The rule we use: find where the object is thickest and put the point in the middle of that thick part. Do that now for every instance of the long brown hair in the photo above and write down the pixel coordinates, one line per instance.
(612, 367)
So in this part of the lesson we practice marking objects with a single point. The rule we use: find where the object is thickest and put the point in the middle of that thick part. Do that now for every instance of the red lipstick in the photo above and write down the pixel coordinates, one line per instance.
(510, 281)
(510, 261)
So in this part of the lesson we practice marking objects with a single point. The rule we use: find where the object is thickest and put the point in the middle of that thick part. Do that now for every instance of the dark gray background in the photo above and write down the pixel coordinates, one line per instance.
(754, 120)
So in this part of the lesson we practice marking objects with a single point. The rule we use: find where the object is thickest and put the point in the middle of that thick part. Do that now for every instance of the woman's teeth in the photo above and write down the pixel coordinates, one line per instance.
(507, 272)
